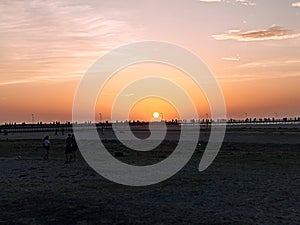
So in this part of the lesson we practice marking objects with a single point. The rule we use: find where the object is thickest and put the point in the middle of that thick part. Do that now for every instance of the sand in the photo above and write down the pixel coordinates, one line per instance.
(255, 179)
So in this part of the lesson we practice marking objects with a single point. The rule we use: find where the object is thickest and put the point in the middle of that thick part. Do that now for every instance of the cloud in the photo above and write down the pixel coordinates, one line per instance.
(243, 2)
(242, 77)
(115, 94)
(263, 69)
(47, 78)
(210, 0)
(272, 33)
(232, 58)
(292, 62)
(279, 68)
(50, 39)
(287, 63)
(296, 4)
(13, 82)
(246, 2)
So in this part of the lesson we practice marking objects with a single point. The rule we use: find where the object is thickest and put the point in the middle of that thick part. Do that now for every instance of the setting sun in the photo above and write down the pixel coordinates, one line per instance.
(155, 115)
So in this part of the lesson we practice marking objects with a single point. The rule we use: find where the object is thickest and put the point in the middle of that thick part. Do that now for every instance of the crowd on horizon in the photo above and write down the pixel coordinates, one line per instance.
(170, 122)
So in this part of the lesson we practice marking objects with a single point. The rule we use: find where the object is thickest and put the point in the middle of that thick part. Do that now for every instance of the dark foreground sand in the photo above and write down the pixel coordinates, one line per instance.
(248, 183)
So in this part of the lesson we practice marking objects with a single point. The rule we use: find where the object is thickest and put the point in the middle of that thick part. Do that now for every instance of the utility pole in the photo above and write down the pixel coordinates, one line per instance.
(162, 116)
(207, 121)
(32, 118)
(100, 117)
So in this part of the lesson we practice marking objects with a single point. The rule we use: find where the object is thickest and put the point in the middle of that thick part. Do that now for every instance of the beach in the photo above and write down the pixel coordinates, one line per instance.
(255, 179)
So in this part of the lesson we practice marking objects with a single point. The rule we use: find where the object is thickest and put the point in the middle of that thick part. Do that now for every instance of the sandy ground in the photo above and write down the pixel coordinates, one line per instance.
(263, 134)
(250, 182)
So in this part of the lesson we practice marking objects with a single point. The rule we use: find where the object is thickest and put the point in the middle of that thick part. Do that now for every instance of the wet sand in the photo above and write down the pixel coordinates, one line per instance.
(255, 179)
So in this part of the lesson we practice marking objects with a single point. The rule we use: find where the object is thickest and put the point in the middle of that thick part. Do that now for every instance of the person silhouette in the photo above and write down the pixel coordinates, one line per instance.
(46, 145)
(68, 150)
(74, 148)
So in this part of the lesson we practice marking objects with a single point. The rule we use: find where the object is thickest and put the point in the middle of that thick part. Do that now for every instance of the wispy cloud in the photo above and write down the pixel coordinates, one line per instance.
(115, 94)
(243, 2)
(35, 79)
(13, 82)
(292, 63)
(55, 39)
(210, 0)
(242, 77)
(246, 2)
(272, 33)
(296, 4)
(232, 58)
(261, 70)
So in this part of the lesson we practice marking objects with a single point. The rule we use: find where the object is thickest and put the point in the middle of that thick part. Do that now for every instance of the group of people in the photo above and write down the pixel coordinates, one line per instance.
(70, 150)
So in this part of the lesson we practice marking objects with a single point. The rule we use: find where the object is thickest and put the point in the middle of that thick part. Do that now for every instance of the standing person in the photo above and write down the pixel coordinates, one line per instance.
(46, 145)
(68, 148)
(74, 148)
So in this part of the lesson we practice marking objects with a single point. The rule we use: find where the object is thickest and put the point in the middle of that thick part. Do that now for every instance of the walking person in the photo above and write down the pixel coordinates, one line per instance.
(68, 150)
(74, 148)
(46, 145)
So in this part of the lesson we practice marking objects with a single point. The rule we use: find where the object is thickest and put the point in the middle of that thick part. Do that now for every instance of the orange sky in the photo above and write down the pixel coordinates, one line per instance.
(253, 52)
(144, 108)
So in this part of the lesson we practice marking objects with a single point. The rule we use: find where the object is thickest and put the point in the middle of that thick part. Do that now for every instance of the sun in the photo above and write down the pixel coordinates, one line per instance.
(155, 115)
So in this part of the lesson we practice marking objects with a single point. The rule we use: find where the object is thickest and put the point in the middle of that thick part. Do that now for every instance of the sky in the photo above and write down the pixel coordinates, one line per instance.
(252, 47)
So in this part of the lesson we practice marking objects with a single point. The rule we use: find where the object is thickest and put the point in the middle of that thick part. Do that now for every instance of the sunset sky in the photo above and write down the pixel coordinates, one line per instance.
(251, 46)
